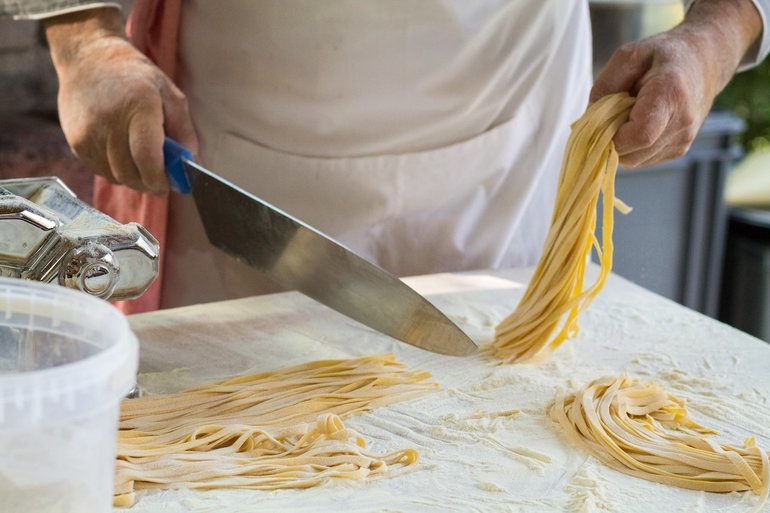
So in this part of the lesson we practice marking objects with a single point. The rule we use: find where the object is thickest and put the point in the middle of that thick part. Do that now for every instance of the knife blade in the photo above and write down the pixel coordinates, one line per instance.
(300, 257)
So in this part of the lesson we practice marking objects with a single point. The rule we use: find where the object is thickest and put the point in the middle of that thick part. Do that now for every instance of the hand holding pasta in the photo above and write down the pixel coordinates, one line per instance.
(675, 77)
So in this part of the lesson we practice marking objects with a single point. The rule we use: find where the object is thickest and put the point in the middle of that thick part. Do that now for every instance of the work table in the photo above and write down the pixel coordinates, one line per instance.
(485, 438)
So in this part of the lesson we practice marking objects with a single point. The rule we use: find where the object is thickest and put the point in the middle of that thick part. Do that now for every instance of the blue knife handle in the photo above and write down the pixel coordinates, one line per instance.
(173, 156)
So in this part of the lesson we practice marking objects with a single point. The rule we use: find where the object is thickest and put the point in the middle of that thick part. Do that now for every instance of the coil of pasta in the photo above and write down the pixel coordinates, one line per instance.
(641, 430)
(279, 429)
(536, 328)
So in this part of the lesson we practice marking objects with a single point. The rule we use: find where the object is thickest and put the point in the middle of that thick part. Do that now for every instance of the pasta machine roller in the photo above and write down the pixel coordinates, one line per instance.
(47, 234)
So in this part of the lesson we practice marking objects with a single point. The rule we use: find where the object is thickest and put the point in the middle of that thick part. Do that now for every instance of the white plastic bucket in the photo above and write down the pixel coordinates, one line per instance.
(66, 360)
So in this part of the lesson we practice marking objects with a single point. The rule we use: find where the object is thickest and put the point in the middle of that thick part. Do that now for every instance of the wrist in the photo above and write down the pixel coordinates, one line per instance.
(727, 28)
(69, 35)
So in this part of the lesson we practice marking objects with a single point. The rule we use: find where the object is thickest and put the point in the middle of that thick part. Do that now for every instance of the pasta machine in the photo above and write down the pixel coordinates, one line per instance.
(47, 234)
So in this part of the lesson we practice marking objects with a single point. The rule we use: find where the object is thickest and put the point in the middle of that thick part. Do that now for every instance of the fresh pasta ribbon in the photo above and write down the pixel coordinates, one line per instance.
(279, 429)
(556, 288)
(642, 430)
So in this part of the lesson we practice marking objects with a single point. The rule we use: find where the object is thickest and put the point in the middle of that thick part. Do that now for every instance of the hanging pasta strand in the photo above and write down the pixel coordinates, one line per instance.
(279, 429)
(641, 430)
(538, 324)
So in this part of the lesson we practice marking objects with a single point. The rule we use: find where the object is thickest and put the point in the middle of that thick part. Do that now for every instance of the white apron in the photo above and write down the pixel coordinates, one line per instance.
(426, 135)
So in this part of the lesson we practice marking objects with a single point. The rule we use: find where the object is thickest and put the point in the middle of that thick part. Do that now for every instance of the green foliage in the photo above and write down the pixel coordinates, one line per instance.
(748, 97)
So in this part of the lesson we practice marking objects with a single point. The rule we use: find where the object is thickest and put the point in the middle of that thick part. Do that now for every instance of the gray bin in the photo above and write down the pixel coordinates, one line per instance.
(746, 291)
(672, 243)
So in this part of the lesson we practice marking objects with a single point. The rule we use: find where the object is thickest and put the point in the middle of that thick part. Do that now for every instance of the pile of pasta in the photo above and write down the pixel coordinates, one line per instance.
(556, 288)
(641, 430)
(280, 429)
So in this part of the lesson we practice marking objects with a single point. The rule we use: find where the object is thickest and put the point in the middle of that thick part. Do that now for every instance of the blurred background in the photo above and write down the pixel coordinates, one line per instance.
(700, 230)
(31, 142)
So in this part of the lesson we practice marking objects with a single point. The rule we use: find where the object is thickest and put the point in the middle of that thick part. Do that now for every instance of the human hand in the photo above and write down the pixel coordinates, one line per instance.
(114, 104)
(675, 77)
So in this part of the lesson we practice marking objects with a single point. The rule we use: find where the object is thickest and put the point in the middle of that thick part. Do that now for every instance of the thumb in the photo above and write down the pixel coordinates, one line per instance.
(622, 72)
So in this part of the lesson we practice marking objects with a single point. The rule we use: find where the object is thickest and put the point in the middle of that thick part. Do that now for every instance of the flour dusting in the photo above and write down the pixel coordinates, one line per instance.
(485, 439)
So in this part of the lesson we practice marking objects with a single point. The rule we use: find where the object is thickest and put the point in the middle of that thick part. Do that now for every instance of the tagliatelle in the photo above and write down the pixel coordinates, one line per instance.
(556, 288)
(273, 430)
(641, 430)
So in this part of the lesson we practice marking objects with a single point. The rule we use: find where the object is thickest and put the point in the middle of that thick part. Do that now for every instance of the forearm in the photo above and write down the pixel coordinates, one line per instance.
(735, 27)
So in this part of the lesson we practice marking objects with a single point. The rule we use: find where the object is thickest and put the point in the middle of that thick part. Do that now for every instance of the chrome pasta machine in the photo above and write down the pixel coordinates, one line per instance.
(47, 234)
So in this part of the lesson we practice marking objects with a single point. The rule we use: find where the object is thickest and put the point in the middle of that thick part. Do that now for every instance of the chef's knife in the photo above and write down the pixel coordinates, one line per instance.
(299, 257)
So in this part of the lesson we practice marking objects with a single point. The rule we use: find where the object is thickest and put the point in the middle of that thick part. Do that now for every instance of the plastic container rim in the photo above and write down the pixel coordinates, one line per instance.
(107, 361)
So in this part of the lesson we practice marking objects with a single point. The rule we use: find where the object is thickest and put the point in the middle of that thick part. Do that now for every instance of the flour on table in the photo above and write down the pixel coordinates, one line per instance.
(485, 439)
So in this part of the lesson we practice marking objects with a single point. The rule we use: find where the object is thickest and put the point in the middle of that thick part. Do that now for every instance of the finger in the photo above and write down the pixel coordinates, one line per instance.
(89, 146)
(626, 66)
(93, 153)
(177, 120)
(671, 152)
(146, 145)
(640, 158)
(109, 178)
(648, 120)
(121, 162)
(659, 154)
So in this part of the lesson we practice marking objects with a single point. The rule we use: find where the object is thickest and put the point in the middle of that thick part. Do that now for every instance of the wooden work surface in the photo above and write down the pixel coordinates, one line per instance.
(473, 457)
